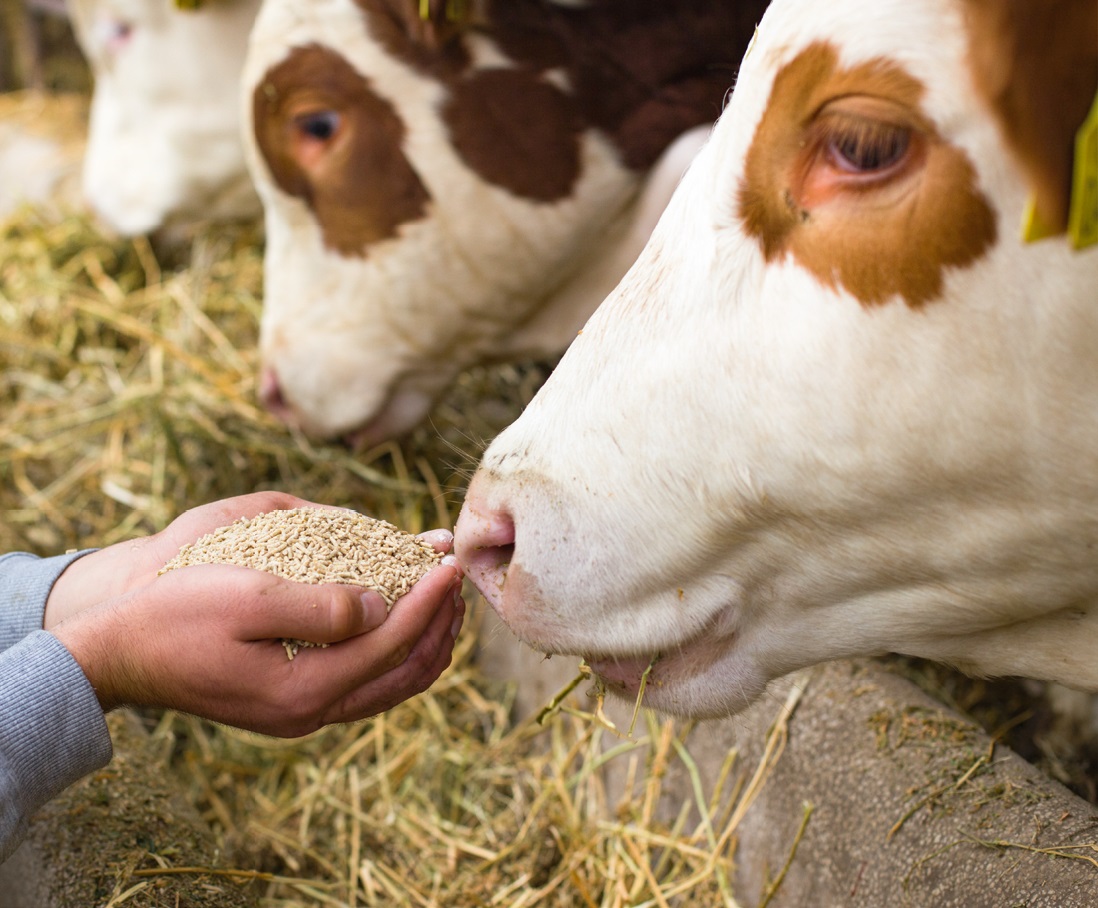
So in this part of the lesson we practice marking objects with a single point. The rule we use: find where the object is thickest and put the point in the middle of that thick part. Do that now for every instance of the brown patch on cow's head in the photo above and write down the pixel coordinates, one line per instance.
(640, 72)
(1037, 66)
(847, 175)
(331, 141)
(426, 39)
(517, 131)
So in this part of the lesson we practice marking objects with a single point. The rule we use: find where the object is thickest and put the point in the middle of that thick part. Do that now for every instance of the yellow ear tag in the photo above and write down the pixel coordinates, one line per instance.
(1083, 214)
(456, 10)
(1033, 228)
(1082, 226)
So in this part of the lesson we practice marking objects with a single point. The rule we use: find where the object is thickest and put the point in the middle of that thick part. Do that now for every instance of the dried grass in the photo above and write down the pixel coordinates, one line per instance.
(127, 395)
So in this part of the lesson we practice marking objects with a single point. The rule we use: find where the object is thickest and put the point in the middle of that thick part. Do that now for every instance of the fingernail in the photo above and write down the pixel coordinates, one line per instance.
(440, 538)
(372, 601)
(451, 561)
(455, 627)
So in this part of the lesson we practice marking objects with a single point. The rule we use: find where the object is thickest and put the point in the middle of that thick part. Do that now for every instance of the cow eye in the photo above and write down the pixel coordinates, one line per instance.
(121, 32)
(112, 34)
(320, 126)
(867, 147)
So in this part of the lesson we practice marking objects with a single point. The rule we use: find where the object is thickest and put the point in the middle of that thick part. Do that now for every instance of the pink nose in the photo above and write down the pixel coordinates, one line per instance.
(484, 542)
(270, 395)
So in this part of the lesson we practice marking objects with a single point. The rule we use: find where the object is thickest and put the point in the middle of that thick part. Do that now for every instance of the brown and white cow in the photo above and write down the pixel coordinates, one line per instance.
(838, 406)
(441, 193)
(164, 143)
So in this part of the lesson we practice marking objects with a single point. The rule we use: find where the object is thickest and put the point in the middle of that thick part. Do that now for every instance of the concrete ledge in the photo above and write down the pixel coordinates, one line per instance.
(913, 806)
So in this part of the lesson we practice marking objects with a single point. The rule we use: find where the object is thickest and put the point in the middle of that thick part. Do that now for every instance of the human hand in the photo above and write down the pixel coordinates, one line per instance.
(205, 639)
(117, 569)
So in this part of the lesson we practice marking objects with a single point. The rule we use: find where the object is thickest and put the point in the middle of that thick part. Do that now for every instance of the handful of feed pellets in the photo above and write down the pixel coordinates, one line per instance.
(317, 545)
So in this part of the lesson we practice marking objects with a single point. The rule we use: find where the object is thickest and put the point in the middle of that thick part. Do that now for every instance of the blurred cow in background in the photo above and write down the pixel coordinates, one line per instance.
(446, 190)
(164, 144)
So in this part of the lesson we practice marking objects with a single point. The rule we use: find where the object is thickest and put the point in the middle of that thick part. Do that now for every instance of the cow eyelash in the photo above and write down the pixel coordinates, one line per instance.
(859, 146)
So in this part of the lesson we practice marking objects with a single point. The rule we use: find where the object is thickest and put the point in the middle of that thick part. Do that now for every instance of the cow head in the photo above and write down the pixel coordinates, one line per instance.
(164, 141)
(441, 192)
(838, 406)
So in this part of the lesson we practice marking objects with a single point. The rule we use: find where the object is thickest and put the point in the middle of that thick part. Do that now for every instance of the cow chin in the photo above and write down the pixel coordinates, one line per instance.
(395, 415)
(401, 413)
(327, 390)
(699, 680)
(704, 675)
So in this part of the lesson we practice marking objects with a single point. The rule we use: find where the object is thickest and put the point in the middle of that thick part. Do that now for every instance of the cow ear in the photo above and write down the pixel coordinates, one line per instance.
(1036, 62)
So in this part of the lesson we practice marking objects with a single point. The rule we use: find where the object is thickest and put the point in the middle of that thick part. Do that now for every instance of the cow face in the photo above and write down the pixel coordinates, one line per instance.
(164, 135)
(837, 406)
(443, 193)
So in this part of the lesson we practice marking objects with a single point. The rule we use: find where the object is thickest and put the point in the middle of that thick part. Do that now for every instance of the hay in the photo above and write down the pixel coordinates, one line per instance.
(444, 802)
(128, 394)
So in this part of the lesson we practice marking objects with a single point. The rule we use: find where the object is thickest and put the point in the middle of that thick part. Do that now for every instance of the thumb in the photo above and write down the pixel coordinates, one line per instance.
(263, 606)
(324, 613)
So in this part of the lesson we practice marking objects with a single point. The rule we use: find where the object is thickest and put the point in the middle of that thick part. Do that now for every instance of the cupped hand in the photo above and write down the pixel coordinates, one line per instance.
(124, 566)
(206, 639)
(115, 570)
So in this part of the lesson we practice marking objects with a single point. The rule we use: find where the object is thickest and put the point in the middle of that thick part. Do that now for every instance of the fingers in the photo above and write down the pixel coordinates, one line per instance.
(428, 659)
(367, 674)
(440, 540)
(390, 644)
(412, 614)
(203, 640)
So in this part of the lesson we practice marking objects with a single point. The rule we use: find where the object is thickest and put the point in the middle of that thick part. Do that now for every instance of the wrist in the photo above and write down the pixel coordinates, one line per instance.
(87, 649)
(94, 577)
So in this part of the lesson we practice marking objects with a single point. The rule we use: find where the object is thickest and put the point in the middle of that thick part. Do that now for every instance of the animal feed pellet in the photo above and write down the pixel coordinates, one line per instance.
(317, 545)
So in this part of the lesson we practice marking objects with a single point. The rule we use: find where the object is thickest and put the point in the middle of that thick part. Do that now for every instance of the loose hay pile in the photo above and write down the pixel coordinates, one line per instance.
(127, 394)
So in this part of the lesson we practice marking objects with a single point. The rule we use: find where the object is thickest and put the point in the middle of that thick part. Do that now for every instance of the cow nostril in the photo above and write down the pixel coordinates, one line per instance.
(485, 545)
(487, 568)
(270, 393)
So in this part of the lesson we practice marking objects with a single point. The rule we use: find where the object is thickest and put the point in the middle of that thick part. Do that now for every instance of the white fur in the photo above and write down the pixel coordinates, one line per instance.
(485, 275)
(746, 472)
(164, 140)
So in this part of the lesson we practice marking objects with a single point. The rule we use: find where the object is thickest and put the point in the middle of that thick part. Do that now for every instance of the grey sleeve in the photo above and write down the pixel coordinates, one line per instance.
(52, 729)
(25, 584)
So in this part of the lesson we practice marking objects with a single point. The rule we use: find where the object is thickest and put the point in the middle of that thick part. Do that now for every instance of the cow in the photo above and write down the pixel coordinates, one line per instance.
(844, 401)
(164, 144)
(452, 184)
